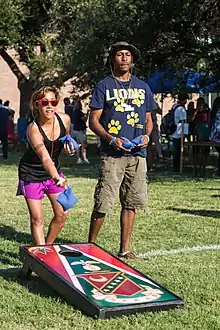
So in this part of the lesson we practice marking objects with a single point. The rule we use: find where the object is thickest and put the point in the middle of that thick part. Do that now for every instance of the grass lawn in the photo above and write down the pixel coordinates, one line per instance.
(183, 212)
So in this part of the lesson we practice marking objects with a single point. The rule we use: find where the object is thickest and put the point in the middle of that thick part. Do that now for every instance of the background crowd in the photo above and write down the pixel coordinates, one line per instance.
(202, 123)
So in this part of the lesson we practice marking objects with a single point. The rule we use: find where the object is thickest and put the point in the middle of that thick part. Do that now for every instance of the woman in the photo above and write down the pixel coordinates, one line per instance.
(39, 168)
(215, 131)
(190, 115)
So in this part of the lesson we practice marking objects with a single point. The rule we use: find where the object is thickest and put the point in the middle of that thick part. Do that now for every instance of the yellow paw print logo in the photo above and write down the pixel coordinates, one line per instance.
(114, 126)
(119, 105)
(138, 102)
(132, 118)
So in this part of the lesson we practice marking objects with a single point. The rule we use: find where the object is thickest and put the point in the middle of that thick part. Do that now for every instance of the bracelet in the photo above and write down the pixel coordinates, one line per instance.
(148, 138)
(112, 141)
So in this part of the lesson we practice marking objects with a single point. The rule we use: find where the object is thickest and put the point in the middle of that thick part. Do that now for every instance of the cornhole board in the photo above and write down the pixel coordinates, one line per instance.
(95, 281)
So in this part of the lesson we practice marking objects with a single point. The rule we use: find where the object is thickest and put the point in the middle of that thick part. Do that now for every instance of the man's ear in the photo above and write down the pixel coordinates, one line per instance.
(111, 63)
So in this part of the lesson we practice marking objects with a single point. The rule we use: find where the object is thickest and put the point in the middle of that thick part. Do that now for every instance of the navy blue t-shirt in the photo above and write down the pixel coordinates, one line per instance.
(124, 107)
(4, 118)
(77, 121)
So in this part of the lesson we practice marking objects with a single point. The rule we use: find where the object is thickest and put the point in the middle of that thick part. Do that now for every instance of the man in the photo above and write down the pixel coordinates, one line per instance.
(6, 105)
(180, 116)
(4, 118)
(79, 131)
(121, 106)
(155, 138)
(66, 102)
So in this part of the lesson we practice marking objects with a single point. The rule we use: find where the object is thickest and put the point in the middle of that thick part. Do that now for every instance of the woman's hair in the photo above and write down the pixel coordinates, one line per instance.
(38, 95)
(215, 107)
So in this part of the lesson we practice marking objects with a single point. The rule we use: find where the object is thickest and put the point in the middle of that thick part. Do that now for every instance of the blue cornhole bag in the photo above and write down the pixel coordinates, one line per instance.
(67, 199)
(127, 144)
(70, 141)
(138, 140)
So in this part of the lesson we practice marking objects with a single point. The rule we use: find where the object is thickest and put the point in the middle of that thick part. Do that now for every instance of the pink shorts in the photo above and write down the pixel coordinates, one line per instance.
(36, 190)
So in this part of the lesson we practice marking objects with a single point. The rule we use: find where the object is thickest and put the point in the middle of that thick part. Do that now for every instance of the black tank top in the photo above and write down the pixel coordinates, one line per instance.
(31, 168)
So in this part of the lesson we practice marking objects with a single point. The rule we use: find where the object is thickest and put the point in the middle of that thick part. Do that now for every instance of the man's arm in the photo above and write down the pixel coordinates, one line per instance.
(182, 115)
(96, 127)
(148, 123)
(148, 130)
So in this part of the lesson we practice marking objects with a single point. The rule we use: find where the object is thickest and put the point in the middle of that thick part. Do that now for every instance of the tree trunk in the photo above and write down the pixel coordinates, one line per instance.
(25, 86)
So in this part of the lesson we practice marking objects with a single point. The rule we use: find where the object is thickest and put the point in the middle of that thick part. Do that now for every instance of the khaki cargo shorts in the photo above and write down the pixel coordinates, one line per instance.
(126, 175)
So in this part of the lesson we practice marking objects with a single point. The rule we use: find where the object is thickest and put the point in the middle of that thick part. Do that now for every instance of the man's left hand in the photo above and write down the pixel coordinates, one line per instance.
(145, 139)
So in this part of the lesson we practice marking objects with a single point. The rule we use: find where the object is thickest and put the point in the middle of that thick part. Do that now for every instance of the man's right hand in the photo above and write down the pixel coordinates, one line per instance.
(117, 145)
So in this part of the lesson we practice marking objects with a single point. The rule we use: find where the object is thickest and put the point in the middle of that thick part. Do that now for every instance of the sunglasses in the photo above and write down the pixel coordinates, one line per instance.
(46, 102)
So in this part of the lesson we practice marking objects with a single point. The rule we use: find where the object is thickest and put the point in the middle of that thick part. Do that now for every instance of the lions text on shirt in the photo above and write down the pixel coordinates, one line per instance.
(124, 105)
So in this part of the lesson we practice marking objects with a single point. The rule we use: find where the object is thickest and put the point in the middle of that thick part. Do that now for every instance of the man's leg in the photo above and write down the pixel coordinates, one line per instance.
(127, 224)
(133, 196)
(5, 145)
(111, 175)
(218, 150)
(97, 220)
(176, 154)
(155, 137)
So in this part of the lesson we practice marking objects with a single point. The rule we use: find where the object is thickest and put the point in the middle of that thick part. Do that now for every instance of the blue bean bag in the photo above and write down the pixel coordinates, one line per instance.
(127, 144)
(70, 141)
(138, 140)
(67, 199)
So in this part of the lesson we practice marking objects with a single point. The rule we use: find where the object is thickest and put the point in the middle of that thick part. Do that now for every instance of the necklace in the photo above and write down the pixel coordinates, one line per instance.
(119, 85)
(52, 138)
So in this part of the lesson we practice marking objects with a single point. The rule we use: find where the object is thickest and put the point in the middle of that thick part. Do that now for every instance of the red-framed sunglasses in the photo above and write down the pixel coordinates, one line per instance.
(46, 102)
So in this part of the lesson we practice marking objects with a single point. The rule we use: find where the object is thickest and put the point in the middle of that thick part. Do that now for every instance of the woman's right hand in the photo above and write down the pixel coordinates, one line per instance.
(69, 149)
(62, 182)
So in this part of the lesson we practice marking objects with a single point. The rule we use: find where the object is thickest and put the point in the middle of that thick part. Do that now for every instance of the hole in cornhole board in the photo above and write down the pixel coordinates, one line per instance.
(73, 254)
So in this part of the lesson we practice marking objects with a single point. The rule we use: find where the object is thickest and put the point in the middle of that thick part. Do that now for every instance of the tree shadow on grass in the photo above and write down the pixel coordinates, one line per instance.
(202, 213)
(34, 284)
(11, 234)
(210, 188)
(9, 258)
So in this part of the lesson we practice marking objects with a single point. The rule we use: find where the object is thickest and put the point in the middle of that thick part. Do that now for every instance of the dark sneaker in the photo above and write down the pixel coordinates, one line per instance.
(127, 255)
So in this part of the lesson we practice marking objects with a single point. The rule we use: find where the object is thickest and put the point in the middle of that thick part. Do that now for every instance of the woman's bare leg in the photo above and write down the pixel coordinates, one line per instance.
(36, 220)
(58, 220)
